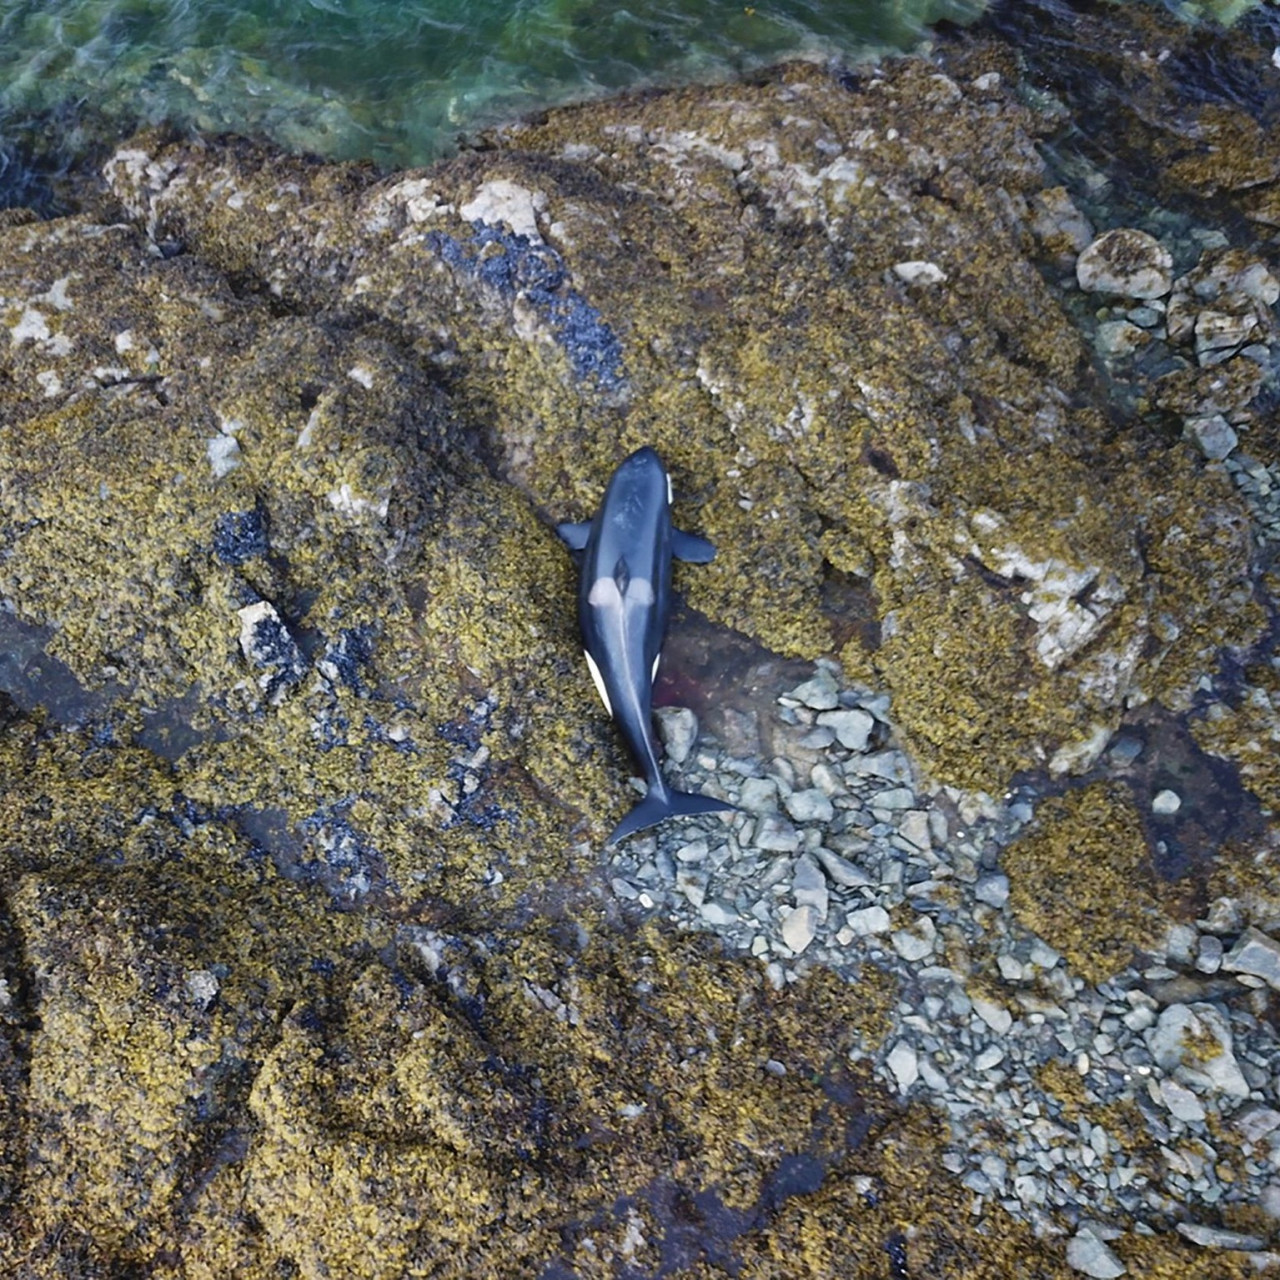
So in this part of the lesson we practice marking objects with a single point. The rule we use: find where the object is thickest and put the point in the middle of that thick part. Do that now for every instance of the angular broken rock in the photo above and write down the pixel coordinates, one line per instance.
(1223, 330)
(820, 692)
(904, 1064)
(1214, 435)
(268, 645)
(1194, 1041)
(678, 729)
(1216, 1238)
(1088, 1252)
(799, 927)
(853, 727)
(1255, 953)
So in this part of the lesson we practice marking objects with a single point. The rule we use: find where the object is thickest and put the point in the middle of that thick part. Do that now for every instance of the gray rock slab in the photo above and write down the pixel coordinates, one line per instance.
(810, 805)
(1195, 1041)
(841, 871)
(1216, 1238)
(1256, 1122)
(1182, 1103)
(809, 886)
(758, 795)
(1217, 439)
(904, 1064)
(821, 692)
(894, 798)
(996, 1016)
(868, 921)
(799, 928)
(1256, 953)
(914, 828)
(916, 942)
(993, 889)
(852, 727)
(678, 729)
(1092, 1256)
(776, 835)
(893, 766)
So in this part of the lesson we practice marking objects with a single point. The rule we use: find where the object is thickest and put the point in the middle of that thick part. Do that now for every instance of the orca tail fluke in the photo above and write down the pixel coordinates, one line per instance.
(657, 806)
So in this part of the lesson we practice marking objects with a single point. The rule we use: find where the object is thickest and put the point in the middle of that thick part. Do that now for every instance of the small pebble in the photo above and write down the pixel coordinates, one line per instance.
(821, 692)
(852, 727)
(904, 1064)
(799, 928)
(678, 729)
(869, 921)
(809, 806)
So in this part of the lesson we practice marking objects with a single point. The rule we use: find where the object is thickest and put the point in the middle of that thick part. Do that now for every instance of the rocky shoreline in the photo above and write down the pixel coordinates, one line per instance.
(310, 957)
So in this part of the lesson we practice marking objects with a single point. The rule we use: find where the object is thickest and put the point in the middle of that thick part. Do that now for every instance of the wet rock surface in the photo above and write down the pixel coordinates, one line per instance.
(310, 958)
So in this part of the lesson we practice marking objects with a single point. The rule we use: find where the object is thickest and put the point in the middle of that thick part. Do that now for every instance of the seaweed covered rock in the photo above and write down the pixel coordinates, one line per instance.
(307, 963)
(262, 545)
(814, 296)
(214, 1071)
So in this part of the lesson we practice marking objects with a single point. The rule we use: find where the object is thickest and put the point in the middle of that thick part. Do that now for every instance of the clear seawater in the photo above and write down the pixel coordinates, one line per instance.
(394, 81)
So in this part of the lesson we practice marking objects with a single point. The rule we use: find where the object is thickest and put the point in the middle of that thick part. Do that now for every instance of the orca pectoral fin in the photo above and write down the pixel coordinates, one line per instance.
(574, 535)
(660, 805)
(691, 548)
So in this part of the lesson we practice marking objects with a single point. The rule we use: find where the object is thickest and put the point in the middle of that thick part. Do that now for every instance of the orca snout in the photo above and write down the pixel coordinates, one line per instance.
(643, 474)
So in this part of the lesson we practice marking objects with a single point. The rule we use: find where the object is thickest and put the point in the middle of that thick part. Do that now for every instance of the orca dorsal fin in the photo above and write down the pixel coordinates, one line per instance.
(691, 548)
(575, 535)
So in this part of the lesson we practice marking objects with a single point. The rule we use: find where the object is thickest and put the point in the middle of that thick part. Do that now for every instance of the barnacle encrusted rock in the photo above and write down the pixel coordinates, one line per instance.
(1127, 262)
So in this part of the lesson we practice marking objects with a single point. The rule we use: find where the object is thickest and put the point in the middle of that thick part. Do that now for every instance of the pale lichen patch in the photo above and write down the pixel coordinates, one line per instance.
(57, 294)
(224, 455)
(347, 502)
(503, 201)
(31, 327)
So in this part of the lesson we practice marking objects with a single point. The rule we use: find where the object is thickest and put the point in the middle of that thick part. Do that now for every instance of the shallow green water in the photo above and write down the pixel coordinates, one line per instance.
(397, 81)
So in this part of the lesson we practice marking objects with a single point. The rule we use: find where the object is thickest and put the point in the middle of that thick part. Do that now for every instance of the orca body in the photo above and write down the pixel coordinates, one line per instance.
(624, 597)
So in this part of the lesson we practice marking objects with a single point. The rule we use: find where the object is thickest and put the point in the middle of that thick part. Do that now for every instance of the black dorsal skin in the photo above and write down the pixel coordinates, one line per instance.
(624, 599)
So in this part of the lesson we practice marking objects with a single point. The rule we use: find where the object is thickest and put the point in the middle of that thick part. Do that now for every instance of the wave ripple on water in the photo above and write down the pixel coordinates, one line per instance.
(396, 81)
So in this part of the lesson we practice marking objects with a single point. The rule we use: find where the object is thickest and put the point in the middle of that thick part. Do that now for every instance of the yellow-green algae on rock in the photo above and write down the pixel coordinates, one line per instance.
(1082, 880)
(225, 1074)
(307, 965)
(814, 297)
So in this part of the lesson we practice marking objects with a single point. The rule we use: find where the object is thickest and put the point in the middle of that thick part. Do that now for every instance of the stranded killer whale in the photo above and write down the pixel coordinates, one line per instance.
(623, 600)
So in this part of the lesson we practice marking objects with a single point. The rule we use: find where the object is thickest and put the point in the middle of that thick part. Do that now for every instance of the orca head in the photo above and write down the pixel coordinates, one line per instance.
(643, 475)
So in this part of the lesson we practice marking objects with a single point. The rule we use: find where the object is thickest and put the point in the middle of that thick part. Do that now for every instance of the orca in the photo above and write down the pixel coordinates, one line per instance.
(624, 597)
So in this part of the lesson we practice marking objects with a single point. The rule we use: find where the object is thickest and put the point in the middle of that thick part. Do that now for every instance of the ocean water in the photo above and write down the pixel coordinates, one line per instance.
(393, 81)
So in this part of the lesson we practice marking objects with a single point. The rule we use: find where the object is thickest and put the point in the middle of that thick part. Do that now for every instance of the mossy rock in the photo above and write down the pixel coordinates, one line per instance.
(815, 298)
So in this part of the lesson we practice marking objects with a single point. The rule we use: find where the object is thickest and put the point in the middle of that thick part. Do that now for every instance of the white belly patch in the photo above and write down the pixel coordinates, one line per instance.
(599, 681)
